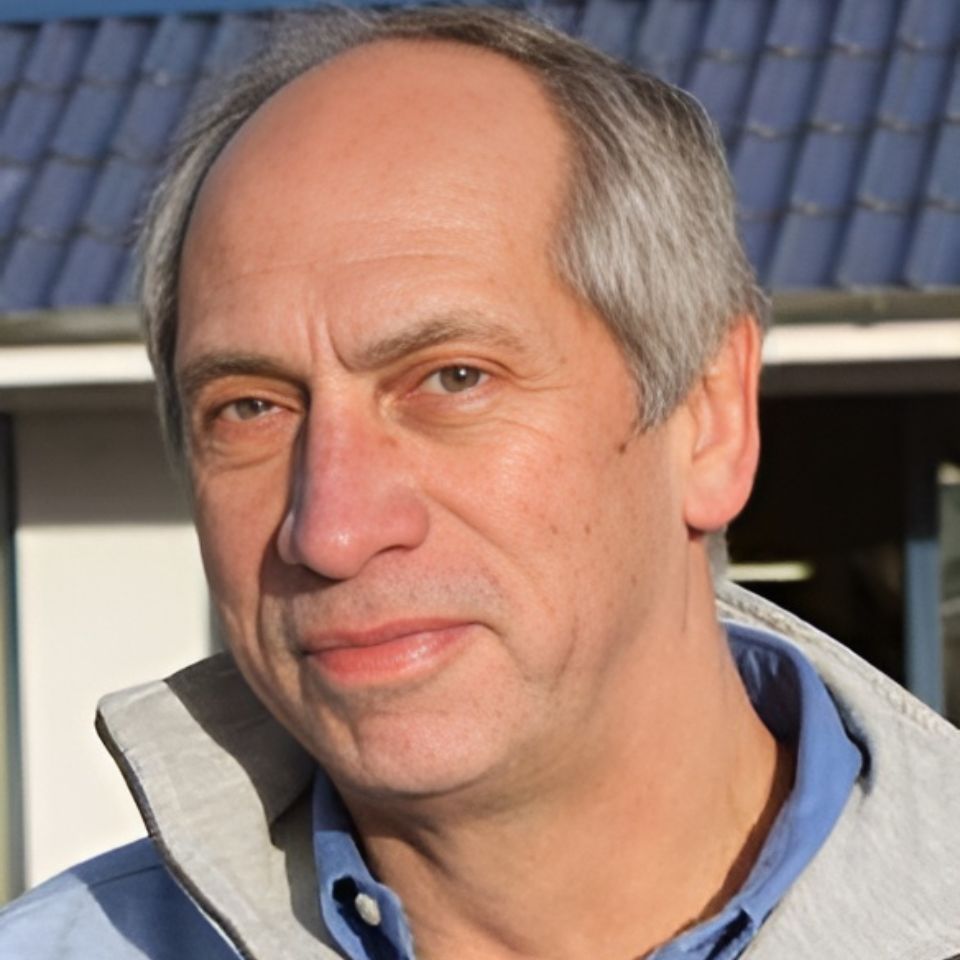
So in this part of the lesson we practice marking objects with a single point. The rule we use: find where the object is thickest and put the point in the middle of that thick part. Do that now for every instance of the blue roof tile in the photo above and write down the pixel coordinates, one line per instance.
(116, 51)
(865, 26)
(29, 272)
(89, 120)
(762, 168)
(14, 43)
(848, 90)
(893, 168)
(118, 198)
(176, 49)
(801, 27)
(124, 284)
(14, 183)
(826, 172)
(930, 24)
(782, 91)
(951, 110)
(88, 273)
(841, 118)
(235, 39)
(57, 54)
(669, 37)
(915, 88)
(805, 251)
(563, 14)
(758, 234)
(611, 25)
(29, 124)
(735, 28)
(943, 183)
(873, 249)
(934, 259)
(56, 199)
(722, 86)
(152, 114)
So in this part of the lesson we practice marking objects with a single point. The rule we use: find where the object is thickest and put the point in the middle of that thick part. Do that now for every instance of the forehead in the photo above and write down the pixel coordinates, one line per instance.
(436, 136)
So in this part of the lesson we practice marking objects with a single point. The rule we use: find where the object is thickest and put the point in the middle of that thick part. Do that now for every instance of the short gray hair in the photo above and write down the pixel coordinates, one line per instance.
(648, 235)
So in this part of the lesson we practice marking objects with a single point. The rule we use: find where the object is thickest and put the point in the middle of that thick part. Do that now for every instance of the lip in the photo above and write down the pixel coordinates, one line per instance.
(388, 652)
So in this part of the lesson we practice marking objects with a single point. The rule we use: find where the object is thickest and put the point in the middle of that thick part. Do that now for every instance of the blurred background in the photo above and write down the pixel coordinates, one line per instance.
(842, 123)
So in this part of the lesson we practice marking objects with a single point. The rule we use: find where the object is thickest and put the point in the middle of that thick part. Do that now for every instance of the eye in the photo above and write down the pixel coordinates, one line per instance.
(454, 379)
(247, 408)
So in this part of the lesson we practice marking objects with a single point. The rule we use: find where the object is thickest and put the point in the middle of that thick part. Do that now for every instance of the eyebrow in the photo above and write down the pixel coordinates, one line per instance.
(433, 332)
(197, 373)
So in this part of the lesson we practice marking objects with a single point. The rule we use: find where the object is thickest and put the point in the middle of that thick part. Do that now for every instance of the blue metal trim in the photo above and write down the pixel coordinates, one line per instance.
(36, 11)
(14, 852)
(922, 628)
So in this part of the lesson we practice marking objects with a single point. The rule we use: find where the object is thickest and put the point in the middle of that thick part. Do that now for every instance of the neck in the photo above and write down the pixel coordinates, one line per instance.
(652, 825)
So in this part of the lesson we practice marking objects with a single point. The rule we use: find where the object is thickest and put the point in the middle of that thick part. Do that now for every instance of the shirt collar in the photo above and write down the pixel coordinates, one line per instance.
(795, 706)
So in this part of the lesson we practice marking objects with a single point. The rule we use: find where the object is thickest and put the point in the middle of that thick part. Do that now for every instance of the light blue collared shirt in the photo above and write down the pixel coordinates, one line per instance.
(366, 918)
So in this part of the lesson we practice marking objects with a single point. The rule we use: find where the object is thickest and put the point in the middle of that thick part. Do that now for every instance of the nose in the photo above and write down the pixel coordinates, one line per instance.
(351, 500)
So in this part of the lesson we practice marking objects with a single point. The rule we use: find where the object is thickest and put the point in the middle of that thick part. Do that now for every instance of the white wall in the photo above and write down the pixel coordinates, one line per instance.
(111, 594)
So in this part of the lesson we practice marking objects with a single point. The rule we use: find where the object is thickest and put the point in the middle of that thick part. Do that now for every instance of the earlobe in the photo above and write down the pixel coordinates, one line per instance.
(725, 443)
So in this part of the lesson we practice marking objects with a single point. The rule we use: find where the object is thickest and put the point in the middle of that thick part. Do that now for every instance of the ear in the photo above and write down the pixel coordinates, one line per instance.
(725, 440)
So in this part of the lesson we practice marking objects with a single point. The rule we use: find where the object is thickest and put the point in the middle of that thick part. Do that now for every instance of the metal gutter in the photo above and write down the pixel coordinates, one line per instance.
(37, 11)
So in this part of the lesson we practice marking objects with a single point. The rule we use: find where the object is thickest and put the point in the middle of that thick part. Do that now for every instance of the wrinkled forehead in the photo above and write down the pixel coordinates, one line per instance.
(436, 132)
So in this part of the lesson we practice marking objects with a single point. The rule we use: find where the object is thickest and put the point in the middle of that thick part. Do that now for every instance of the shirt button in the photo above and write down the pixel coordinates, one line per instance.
(368, 909)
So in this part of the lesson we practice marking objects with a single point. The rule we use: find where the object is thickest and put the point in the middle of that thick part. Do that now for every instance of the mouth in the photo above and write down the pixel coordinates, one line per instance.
(390, 652)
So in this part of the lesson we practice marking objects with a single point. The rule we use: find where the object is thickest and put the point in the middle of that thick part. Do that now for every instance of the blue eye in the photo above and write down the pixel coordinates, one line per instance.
(455, 379)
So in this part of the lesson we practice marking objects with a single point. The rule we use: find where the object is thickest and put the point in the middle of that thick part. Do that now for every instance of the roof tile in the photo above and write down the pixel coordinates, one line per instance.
(805, 251)
(176, 48)
(29, 123)
(14, 44)
(762, 168)
(865, 26)
(722, 86)
(735, 28)
(14, 183)
(235, 39)
(669, 37)
(89, 120)
(116, 51)
(151, 116)
(943, 183)
(57, 53)
(611, 25)
(847, 92)
(934, 258)
(929, 24)
(873, 249)
(915, 88)
(56, 198)
(29, 271)
(118, 198)
(88, 273)
(801, 27)
(893, 168)
(842, 119)
(826, 172)
(782, 91)
(563, 14)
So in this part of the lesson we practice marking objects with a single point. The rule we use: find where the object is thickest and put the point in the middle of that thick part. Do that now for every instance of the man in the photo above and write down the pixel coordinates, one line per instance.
(458, 346)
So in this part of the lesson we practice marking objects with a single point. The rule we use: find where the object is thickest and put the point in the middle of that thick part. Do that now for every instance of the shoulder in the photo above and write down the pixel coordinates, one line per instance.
(119, 906)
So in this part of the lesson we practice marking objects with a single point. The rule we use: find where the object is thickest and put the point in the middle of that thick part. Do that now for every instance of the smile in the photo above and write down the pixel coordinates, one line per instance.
(390, 652)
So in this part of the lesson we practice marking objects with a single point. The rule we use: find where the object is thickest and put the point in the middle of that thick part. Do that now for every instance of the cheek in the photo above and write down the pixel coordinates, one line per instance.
(237, 516)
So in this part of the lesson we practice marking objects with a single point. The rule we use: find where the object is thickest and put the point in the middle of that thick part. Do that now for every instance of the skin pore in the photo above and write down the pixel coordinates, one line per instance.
(445, 557)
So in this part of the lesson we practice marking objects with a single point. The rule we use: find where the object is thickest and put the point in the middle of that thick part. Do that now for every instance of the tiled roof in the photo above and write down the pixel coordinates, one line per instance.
(841, 119)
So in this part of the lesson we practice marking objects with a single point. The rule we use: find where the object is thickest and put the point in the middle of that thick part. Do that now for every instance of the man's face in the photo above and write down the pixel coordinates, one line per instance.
(443, 555)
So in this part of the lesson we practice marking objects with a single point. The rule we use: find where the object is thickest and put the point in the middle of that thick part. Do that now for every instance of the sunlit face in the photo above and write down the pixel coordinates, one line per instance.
(443, 555)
